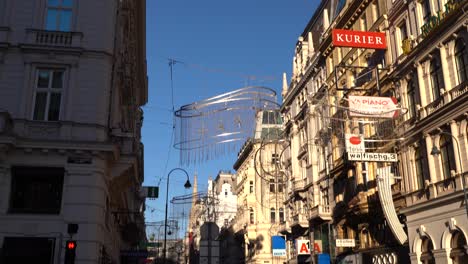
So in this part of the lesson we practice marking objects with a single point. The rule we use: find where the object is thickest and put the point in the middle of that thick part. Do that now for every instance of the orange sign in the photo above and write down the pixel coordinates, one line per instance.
(359, 39)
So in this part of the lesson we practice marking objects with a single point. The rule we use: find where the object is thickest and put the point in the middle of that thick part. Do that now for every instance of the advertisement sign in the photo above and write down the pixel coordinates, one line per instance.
(373, 106)
(278, 244)
(354, 143)
(345, 242)
(358, 39)
(303, 247)
(382, 157)
(317, 246)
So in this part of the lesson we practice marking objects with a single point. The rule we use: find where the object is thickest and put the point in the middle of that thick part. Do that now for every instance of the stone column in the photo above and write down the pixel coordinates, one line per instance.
(456, 145)
(421, 84)
(414, 257)
(445, 67)
(441, 256)
(431, 163)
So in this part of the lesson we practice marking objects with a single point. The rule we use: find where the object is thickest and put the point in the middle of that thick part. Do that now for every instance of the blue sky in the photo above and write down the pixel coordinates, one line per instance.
(218, 44)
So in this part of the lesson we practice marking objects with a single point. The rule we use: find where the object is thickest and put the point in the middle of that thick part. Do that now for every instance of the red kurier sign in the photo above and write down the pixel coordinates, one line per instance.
(359, 39)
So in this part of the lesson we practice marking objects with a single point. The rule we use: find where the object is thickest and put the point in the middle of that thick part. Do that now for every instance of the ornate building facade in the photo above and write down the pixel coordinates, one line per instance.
(388, 210)
(430, 60)
(260, 190)
(72, 81)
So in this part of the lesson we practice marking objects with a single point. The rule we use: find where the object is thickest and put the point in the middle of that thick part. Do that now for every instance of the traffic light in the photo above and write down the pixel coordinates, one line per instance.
(70, 250)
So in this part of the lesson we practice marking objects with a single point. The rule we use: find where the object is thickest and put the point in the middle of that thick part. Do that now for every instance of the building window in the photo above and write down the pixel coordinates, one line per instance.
(403, 35)
(28, 250)
(36, 190)
(426, 251)
(426, 10)
(447, 155)
(252, 216)
(272, 215)
(280, 187)
(48, 94)
(458, 252)
(59, 15)
(281, 215)
(437, 78)
(461, 61)
(411, 96)
(418, 162)
(272, 185)
(274, 158)
(251, 187)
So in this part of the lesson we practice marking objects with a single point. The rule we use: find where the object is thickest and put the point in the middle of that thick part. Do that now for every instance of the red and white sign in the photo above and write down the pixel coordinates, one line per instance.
(373, 106)
(317, 246)
(359, 39)
(355, 143)
(303, 247)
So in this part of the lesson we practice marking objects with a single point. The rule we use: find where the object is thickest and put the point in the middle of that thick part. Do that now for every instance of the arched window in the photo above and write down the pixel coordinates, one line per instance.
(426, 10)
(281, 215)
(447, 155)
(411, 96)
(461, 60)
(418, 162)
(251, 216)
(426, 251)
(458, 253)
(272, 215)
(437, 78)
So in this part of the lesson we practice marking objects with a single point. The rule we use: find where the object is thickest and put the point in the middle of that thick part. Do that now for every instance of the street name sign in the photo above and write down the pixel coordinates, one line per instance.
(372, 106)
(382, 157)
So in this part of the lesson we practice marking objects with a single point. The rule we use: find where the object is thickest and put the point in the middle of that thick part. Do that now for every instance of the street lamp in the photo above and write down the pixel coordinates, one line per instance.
(435, 151)
(187, 185)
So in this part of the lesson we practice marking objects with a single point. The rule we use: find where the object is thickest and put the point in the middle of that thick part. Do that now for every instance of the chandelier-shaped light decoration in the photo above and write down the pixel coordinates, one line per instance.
(213, 127)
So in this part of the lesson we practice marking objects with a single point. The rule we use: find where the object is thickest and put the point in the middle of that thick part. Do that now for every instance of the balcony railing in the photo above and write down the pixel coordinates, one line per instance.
(298, 185)
(445, 98)
(320, 212)
(299, 220)
(436, 189)
(53, 38)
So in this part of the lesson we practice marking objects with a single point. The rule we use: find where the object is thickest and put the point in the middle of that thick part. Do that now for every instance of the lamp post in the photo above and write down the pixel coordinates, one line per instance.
(435, 151)
(187, 185)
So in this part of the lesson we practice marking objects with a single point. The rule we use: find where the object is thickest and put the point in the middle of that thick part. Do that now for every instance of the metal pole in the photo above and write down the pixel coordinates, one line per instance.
(165, 212)
(461, 169)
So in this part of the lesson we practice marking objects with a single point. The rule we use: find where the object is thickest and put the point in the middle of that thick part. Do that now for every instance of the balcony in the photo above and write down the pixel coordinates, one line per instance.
(432, 190)
(320, 213)
(284, 228)
(445, 98)
(299, 220)
(298, 185)
(58, 39)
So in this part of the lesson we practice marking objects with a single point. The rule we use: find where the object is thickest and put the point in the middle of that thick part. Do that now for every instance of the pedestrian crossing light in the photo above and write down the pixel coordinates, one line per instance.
(70, 252)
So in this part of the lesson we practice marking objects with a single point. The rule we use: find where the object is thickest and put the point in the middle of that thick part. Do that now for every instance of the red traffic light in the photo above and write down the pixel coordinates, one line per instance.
(71, 244)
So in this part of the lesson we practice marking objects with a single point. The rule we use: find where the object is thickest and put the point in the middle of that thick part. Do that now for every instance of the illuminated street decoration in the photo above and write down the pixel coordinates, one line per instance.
(218, 125)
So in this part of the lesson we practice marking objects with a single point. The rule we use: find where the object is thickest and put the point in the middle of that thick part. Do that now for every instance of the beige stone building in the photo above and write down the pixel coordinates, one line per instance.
(430, 61)
(72, 81)
(260, 190)
(389, 210)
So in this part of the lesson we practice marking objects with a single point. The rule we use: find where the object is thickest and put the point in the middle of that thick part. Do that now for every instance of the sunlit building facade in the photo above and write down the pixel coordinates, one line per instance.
(260, 190)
